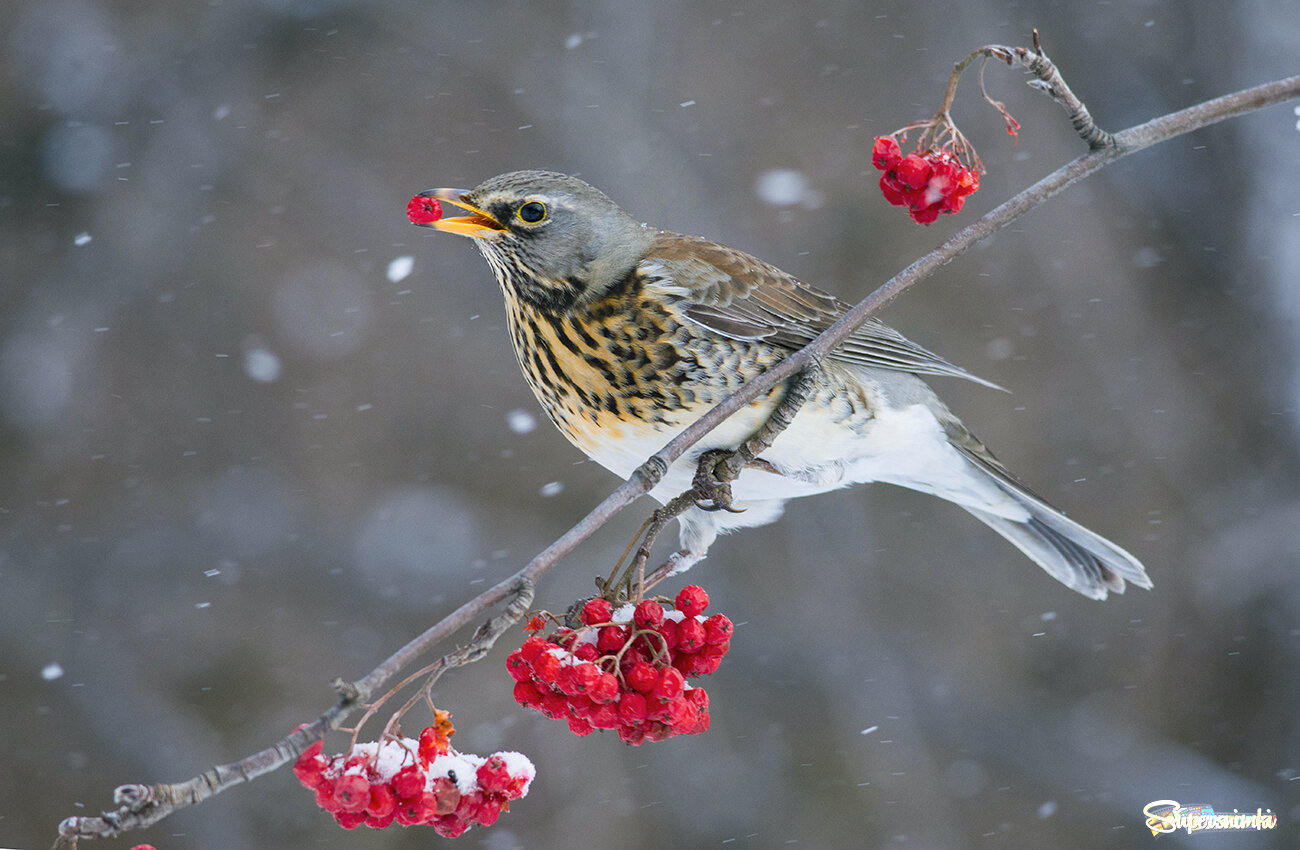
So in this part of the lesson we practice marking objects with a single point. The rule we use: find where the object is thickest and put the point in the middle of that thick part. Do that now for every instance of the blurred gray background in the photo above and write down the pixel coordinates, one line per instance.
(245, 446)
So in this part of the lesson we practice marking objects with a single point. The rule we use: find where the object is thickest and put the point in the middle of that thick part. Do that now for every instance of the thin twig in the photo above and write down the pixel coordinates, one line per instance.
(1050, 82)
(142, 805)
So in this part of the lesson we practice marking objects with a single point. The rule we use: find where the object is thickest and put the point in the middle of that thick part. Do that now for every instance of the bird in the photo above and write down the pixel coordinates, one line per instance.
(627, 334)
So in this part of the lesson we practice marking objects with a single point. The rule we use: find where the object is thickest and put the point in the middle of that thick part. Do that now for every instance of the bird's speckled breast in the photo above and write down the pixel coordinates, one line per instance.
(624, 372)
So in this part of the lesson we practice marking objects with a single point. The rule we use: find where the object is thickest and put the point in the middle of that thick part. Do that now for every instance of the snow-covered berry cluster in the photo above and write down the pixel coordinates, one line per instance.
(626, 669)
(422, 209)
(413, 782)
(926, 182)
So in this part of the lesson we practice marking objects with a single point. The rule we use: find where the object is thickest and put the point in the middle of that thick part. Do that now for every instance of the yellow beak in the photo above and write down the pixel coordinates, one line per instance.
(478, 223)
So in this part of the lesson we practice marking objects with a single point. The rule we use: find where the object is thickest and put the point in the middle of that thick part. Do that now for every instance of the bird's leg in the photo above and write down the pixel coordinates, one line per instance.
(719, 467)
(711, 490)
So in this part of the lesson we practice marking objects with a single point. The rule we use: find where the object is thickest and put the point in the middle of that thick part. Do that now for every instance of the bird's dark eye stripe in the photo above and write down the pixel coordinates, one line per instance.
(532, 212)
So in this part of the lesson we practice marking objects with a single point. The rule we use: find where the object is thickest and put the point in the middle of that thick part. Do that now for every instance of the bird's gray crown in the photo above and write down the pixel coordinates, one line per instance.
(584, 245)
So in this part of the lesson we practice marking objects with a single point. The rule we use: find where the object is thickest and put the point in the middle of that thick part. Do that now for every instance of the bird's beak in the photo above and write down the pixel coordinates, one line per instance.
(478, 223)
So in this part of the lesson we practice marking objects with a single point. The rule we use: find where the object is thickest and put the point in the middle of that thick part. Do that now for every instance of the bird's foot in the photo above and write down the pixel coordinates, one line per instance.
(713, 481)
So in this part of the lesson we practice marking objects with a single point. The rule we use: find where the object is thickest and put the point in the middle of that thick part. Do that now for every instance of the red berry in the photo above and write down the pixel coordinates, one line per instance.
(586, 652)
(383, 802)
(422, 209)
(579, 726)
(668, 631)
(547, 667)
(670, 684)
(350, 820)
(410, 812)
(325, 795)
(520, 670)
(892, 189)
(692, 599)
(605, 690)
(943, 178)
(682, 716)
(352, 793)
(642, 677)
(310, 766)
(611, 639)
(555, 706)
(705, 665)
(565, 682)
(632, 734)
(715, 650)
(632, 708)
(381, 822)
(493, 775)
(648, 614)
(691, 635)
(447, 795)
(532, 648)
(701, 724)
(408, 783)
(913, 171)
(581, 707)
(597, 611)
(718, 629)
(451, 827)
(586, 676)
(605, 716)
(487, 811)
(968, 182)
(925, 215)
(528, 695)
(885, 153)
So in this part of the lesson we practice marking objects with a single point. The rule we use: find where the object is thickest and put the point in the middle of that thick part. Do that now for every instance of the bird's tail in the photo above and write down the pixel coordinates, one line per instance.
(1073, 555)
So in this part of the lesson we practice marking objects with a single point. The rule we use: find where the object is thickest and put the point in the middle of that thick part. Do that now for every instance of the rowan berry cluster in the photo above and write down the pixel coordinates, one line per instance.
(422, 209)
(411, 782)
(927, 182)
(626, 669)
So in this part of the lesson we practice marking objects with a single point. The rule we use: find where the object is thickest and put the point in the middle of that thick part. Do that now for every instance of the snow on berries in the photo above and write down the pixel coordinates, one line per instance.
(422, 209)
(927, 182)
(626, 668)
(410, 782)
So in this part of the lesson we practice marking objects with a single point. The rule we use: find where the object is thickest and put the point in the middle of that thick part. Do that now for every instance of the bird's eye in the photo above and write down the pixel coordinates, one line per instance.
(532, 212)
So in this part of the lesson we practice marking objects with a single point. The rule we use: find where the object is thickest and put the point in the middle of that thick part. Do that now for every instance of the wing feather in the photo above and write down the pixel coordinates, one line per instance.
(741, 297)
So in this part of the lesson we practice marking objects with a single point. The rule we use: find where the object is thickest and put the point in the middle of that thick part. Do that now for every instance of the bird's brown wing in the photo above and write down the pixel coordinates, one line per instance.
(739, 296)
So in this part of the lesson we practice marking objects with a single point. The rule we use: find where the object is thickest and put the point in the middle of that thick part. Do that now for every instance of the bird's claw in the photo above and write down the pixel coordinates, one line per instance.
(713, 492)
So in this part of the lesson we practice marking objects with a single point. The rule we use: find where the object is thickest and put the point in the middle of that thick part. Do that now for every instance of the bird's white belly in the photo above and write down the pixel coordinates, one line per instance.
(819, 452)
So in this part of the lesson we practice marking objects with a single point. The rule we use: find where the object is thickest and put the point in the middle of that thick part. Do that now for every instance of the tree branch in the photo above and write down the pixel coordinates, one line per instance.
(142, 805)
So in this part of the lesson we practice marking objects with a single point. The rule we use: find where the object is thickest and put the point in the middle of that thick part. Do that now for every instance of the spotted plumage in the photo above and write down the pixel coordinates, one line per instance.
(627, 334)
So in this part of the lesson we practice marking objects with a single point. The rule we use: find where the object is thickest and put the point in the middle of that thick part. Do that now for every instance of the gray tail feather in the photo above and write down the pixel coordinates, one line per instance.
(1070, 553)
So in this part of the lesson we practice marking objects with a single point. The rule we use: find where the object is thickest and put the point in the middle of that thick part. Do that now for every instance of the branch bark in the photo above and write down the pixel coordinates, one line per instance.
(139, 806)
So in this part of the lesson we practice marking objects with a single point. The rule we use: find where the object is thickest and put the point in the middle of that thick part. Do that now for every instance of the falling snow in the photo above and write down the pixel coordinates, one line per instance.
(262, 365)
(786, 187)
(521, 421)
(400, 268)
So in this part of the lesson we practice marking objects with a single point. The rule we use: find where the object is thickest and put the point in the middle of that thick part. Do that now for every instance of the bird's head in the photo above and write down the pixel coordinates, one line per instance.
(552, 240)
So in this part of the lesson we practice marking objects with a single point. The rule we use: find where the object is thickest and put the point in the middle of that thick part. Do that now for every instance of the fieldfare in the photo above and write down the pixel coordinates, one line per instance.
(627, 334)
